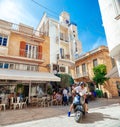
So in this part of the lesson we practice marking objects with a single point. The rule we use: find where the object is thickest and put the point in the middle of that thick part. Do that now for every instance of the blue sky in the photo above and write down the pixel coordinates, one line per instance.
(85, 13)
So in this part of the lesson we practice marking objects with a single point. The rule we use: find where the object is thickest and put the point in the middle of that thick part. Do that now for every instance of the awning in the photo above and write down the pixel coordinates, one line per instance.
(113, 73)
(6, 74)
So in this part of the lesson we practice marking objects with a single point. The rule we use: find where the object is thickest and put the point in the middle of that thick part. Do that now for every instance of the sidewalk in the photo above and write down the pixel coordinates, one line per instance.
(34, 113)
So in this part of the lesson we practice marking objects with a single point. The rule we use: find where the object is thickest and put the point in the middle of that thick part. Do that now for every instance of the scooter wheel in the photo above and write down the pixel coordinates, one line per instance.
(78, 116)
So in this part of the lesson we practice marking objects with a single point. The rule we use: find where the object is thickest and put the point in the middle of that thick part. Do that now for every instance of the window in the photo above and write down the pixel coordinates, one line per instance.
(1, 65)
(62, 52)
(61, 36)
(3, 40)
(18, 66)
(113, 62)
(62, 69)
(83, 69)
(31, 51)
(77, 70)
(28, 68)
(95, 63)
(57, 56)
(56, 67)
(116, 4)
(76, 47)
(11, 66)
(6, 65)
(67, 22)
(118, 84)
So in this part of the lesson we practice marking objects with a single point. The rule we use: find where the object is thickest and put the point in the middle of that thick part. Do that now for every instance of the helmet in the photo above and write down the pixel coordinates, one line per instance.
(82, 83)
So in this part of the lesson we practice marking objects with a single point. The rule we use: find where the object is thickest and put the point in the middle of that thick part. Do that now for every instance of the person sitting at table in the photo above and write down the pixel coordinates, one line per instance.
(54, 100)
(59, 98)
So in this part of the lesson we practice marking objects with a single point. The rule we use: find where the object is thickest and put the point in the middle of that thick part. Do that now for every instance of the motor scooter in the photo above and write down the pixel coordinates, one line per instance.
(78, 106)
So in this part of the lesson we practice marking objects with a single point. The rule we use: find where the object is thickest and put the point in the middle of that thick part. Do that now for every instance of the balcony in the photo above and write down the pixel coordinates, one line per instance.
(64, 37)
(31, 56)
(81, 75)
(22, 29)
(67, 56)
(65, 60)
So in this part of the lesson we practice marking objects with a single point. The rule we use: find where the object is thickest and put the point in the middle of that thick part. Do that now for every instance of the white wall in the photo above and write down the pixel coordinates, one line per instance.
(111, 25)
(53, 45)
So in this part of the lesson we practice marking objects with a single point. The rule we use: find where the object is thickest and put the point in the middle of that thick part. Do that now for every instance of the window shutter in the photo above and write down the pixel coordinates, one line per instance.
(22, 48)
(39, 52)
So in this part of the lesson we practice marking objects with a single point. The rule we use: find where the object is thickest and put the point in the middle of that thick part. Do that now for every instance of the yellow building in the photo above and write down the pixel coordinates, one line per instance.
(84, 69)
(24, 59)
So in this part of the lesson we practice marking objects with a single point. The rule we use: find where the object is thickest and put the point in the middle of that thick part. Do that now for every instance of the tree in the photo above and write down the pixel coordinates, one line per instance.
(99, 74)
(66, 80)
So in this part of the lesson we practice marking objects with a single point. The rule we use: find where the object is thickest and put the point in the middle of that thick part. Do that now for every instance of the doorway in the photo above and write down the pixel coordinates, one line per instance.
(26, 90)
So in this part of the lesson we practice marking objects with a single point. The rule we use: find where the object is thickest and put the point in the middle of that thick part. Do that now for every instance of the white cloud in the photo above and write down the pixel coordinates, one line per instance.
(15, 11)
(100, 41)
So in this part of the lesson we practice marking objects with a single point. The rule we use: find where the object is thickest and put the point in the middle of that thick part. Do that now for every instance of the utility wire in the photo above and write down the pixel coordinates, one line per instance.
(45, 7)
(55, 15)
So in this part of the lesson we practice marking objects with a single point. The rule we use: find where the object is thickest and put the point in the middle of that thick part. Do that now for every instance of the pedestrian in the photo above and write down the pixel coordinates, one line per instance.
(65, 96)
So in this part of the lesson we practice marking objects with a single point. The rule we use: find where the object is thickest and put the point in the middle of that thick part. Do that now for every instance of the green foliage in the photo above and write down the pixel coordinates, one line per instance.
(66, 80)
(19, 88)
(99, 74)
(100, 69)
(49, 90)
(99, 93)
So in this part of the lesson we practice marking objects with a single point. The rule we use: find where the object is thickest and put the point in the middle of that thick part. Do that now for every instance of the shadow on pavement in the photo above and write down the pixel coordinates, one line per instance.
(94, 117)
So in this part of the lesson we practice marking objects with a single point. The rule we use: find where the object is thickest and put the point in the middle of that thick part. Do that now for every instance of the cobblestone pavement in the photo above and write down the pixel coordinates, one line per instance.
(102, 112)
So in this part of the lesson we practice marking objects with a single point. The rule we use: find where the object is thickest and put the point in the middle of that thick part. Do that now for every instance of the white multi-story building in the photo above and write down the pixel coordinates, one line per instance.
(64, 43)
(110, 10)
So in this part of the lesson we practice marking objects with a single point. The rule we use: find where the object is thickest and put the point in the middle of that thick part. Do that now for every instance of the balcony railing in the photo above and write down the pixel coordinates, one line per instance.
(64, 38)
(20, 28)
(31, 55)
(67, 57)
(78, 75)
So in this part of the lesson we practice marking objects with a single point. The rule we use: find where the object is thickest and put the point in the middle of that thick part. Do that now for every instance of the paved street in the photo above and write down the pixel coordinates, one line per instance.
(97, 117)
(102, 113)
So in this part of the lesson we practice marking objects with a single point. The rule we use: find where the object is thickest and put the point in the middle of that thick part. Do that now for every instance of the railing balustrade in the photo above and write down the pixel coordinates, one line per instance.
(20, 28)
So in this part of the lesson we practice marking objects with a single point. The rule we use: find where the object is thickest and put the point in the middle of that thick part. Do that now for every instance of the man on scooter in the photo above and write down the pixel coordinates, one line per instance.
(82, 90)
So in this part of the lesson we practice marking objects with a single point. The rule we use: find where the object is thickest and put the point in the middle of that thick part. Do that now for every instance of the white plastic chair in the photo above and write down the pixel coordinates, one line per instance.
(17, 103)
(24, 103)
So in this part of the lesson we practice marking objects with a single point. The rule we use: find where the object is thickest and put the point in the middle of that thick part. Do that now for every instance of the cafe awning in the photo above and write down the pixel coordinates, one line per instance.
(6, 74)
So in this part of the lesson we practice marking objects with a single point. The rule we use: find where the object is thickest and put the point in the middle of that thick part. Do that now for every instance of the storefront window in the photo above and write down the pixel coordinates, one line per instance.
(6, 89)
(1, 65)
(6, 65)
